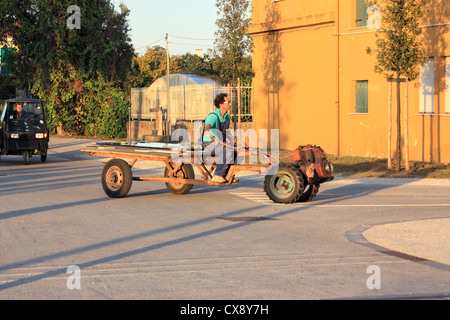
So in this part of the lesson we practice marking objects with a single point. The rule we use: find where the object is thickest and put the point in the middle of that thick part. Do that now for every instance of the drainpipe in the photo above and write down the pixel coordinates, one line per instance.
(337, 19)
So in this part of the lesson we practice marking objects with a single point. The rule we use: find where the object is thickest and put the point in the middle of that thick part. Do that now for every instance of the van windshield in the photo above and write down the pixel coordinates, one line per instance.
(24, 117)
(25, 111)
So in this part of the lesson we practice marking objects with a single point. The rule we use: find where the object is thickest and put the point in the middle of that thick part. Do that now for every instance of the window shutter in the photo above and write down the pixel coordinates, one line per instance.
(447, 84)
(362, 96)
(3, 68)
(2, 52)
(361, 13)
(426, 103)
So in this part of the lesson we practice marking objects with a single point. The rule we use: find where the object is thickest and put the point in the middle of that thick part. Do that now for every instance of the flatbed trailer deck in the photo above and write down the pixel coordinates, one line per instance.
(178, 175)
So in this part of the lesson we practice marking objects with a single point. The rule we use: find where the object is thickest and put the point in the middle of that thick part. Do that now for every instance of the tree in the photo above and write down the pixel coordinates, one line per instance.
(152, 65)
(7, 88)
(62, 65)
(233, 44)
(399, 51)
(192, 63)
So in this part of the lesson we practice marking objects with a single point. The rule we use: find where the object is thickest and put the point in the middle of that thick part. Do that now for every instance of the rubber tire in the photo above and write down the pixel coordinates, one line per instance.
(186, 172)
(292, 176)
(117, 178)
(26, 157)
(44, 156)
(309, 193)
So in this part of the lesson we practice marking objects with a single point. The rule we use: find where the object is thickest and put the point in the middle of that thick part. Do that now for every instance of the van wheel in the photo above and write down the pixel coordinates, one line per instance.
(26, 157)
(117, 178)
(43, 155)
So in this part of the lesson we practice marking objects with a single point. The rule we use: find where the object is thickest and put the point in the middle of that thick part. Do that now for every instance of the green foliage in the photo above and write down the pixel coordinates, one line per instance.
(232, 42)
(192, 63)
(7, 88)
(399, 51)
(149, 67)
(80, 73)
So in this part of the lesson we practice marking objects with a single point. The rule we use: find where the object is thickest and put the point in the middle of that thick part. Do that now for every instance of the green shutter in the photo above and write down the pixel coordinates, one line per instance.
(4, 69)
(2, 53)
(362, 96)
(361, 13)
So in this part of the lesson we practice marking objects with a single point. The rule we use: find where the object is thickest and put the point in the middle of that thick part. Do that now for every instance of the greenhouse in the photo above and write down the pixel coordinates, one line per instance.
(191, 98)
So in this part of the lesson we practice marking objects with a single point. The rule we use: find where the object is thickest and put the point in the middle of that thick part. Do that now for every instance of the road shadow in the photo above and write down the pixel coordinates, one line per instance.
(333, 195)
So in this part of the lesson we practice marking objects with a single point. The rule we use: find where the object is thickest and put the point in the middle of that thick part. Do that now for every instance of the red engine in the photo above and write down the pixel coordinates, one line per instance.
(313, 163)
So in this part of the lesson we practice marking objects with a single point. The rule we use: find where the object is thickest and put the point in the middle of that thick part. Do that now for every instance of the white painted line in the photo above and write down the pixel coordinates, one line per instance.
(263, 198)
(373, 205)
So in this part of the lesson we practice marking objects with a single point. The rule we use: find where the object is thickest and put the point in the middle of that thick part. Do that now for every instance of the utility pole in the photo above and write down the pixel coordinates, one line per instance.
(168, 86)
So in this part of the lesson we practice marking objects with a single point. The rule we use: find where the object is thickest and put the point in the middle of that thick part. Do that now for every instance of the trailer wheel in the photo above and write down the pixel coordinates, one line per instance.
(117, 178)
(185, 172)
(286, 186)
(309, 193)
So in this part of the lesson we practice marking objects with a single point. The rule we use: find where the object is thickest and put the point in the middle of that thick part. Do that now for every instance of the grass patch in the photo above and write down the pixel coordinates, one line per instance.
(373, 167)
(363, 167)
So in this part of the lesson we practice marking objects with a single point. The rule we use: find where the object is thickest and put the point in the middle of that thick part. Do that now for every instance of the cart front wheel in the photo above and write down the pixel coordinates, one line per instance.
(117, 178)
(285, 186)
(185, 172)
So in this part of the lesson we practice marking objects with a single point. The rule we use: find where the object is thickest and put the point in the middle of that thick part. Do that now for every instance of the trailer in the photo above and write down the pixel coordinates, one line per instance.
(298, 181)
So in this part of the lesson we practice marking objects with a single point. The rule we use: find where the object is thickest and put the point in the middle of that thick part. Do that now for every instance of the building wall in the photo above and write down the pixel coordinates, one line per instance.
(294, 91)
(307, 58)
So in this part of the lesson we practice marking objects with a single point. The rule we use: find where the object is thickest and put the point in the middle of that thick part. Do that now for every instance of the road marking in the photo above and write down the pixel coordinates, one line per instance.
(233, 268)
(374, 205)
(259, 197)
(217, 264)
(262, 198)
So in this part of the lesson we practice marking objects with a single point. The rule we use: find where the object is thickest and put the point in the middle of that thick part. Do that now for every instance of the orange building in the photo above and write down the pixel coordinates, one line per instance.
(315, 82)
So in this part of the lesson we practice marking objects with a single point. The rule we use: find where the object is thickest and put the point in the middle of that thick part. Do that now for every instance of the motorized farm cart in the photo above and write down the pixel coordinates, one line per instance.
(297, 181)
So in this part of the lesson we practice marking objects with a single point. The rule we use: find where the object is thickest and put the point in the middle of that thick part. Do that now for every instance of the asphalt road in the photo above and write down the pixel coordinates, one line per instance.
(214, 243)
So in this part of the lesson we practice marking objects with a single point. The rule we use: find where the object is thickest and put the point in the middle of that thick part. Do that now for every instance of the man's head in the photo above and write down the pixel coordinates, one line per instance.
(19, 107)
(220, 99)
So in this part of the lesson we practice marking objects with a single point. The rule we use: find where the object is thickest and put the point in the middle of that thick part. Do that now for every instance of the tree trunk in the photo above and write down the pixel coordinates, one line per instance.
(399, 126)
(233, 105)
(406, 128)
(389, 153)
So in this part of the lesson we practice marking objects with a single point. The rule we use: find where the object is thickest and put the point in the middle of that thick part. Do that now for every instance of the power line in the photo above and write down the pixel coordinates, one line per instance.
(199, 39)
(151, 43)
(190, 44)
(179, 43)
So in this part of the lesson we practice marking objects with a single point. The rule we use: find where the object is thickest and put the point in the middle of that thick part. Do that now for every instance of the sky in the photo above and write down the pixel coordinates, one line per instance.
(191, 24)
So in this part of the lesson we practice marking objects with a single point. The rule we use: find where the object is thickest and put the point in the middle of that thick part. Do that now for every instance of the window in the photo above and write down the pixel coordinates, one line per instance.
(426, 91)
(361, 13)
(362, 96)
(447, 85)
